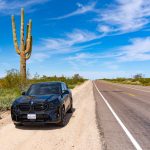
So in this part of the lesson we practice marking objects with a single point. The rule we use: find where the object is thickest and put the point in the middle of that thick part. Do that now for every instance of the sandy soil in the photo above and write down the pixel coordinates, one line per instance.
(80, 133)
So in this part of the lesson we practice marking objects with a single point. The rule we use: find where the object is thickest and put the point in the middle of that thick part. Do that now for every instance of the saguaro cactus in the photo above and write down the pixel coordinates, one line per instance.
(25, 45)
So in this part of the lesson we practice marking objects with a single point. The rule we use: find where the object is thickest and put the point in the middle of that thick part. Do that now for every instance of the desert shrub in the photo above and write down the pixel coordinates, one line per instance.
(7, 96)
(138, 76)
(74, 80)
(11, 80)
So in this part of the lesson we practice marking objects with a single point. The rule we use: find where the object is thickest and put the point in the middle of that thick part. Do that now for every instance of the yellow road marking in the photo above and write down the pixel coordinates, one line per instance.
(129, 93)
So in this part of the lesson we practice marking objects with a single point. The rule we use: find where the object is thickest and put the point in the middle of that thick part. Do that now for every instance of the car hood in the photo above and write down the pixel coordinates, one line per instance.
(35, 98)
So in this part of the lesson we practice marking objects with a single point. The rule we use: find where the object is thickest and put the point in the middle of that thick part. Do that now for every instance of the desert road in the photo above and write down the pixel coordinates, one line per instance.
(106, 116)
(123, 115)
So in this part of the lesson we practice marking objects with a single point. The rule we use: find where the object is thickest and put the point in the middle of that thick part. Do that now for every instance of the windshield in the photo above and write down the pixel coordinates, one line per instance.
(44, 89)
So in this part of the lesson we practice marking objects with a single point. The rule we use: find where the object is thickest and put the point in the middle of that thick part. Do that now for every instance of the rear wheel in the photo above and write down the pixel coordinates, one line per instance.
(62, 123)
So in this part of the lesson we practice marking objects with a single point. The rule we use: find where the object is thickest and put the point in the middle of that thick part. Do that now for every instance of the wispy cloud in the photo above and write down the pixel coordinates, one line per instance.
(104, 29)
(39, 56)
(125, 16)
(92, 59)
(8, 7)
(71, 42)
(82, 9)
(88, 56)
(138, 50)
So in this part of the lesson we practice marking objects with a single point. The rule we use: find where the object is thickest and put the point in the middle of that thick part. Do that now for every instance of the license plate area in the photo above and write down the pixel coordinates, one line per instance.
(31, 116)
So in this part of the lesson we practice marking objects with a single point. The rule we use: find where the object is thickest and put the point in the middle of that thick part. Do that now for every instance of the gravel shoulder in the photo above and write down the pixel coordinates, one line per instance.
(80, 133)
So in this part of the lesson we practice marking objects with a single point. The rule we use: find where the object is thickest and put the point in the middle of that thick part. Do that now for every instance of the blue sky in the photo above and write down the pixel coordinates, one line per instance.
(97, 39)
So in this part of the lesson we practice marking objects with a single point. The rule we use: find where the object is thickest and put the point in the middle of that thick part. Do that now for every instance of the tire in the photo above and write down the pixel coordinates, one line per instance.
(62, 123)
(71, 108)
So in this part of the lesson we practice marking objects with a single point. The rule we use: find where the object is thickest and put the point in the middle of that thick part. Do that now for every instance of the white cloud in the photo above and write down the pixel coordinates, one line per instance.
(138, 50)
(79, 5)
(8, 7)
(79, 56)
(126, 15)
(71, 42)
(82, 9)
(93, 59)
(38, 57)
(79, 36)
(104, 28)
(76, 41)
(92, 56)
(81, 59)
(111, 65)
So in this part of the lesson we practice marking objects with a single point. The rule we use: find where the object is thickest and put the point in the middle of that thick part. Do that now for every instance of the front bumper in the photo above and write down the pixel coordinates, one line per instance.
(49, 116)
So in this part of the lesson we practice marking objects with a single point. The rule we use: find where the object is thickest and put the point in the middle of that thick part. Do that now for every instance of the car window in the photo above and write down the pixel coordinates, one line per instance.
(63, 87)
(44, 89)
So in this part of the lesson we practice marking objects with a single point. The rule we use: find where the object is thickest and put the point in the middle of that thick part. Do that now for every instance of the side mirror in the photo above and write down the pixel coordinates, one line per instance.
(65, 92)
(23, 93)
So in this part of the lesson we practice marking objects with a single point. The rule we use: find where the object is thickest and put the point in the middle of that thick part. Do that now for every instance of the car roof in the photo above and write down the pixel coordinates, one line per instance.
(52, 82)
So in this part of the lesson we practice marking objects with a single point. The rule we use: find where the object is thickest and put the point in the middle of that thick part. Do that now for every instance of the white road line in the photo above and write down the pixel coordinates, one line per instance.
(132, 139)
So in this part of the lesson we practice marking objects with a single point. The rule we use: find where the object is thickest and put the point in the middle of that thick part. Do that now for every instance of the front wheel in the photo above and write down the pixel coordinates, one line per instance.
(62, 123)
(71, 108)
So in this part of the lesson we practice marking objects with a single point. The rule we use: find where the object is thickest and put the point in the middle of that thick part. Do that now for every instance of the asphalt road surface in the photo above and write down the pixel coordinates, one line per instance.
(123, 115)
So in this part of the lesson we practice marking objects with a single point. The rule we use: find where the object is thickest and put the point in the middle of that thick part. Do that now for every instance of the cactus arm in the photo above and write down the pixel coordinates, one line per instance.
(31, 41)
(22, 30)
(29, 53)
(28, 56)
(15, 35)
(26, 35)
(29, 38)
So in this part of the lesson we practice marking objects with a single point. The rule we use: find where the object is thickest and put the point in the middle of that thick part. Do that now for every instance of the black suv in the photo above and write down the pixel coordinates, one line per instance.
(45, 102)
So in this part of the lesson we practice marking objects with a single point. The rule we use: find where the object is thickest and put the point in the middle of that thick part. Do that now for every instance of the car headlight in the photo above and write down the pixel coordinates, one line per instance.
(54, 103)
(14, 108)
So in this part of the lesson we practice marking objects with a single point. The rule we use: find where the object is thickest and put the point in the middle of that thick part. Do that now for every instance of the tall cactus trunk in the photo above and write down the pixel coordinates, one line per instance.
(23, 68)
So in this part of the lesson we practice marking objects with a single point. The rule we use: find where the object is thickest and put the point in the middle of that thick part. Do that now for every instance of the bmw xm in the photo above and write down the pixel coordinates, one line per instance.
(46, 102)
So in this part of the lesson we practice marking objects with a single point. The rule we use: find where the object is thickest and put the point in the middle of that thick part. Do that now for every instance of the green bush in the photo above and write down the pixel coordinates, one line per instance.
(11, 80)
(7, 96)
